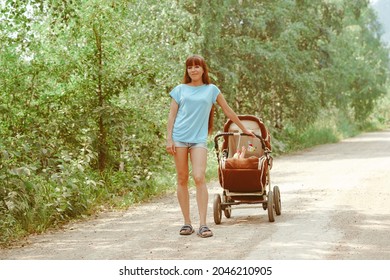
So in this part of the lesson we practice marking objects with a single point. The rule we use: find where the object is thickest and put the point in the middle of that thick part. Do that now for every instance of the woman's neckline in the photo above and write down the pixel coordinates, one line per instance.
(194, 85)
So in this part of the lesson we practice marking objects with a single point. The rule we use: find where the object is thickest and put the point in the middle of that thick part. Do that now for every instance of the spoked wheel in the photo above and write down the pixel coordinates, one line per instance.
(217, 209)
(277, 201)
(228, 209)
(270, 206)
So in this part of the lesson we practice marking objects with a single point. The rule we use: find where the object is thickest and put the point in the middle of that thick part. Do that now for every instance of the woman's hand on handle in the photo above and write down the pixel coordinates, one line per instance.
(249, 132)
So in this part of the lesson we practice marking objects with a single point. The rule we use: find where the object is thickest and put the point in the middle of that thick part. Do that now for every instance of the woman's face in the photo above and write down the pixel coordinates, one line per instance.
(195, 72)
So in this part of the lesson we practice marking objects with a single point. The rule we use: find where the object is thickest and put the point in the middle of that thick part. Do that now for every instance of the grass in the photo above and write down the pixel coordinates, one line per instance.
(330, 127)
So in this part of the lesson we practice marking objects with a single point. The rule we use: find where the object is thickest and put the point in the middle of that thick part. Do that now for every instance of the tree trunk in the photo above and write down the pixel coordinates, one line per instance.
(102, 134)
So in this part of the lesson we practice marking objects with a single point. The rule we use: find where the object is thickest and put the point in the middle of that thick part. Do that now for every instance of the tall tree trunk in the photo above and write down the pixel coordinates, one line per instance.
(102, 134)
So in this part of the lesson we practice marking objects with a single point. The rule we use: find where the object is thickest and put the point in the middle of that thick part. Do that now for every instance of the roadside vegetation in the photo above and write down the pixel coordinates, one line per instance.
(84, 91)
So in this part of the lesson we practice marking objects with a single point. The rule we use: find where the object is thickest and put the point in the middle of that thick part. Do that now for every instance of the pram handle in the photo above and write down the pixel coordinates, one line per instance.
(263, 145)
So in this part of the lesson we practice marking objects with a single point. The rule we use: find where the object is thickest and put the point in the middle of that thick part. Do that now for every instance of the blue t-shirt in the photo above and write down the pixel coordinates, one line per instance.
(195, 102)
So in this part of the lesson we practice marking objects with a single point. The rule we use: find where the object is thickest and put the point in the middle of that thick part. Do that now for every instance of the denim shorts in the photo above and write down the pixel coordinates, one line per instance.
(190, 145)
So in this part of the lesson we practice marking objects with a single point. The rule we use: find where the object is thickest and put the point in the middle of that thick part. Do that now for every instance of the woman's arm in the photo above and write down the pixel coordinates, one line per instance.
(171, 120)
(229, 113)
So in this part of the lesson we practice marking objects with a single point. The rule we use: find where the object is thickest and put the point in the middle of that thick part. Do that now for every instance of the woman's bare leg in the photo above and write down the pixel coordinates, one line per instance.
(199, 162)
(181, 162)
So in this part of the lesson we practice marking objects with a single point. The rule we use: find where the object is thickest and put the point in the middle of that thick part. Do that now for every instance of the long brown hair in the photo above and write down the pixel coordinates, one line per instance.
(193, 60)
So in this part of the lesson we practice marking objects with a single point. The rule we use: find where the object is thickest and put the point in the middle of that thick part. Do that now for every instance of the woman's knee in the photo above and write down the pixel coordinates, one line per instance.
(182, 179)
(199, 179)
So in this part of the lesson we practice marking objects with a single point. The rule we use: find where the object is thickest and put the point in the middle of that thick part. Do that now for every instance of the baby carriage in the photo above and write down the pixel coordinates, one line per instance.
(244, 164)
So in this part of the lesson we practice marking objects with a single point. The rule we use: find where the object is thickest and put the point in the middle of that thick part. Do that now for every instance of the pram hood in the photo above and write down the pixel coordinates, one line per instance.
(252, 123)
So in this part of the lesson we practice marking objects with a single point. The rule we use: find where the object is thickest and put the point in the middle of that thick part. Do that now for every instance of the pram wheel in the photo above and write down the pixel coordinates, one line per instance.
(277, 201)
(228, 209)
(217, 209)
(270, 206)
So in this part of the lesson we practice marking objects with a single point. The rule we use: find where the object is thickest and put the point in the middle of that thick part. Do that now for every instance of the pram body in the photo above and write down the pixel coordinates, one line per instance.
(245, 178)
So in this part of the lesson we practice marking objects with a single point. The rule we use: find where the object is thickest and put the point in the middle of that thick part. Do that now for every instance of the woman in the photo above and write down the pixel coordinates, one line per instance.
(189, 122)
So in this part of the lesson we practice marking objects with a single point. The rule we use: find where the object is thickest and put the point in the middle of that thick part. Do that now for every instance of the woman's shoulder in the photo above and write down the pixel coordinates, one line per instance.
(177, 88)
(214, 88)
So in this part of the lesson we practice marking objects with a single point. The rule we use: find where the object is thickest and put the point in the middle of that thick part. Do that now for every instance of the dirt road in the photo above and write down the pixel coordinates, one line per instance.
(335, 205)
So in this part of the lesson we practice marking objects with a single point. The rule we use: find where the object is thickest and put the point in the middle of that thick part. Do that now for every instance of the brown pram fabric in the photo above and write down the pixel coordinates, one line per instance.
(244, 175)
(249, 174)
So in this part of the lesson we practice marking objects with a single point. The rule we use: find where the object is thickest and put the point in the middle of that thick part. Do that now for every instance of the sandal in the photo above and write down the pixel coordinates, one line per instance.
(186, 230)
(204, 232)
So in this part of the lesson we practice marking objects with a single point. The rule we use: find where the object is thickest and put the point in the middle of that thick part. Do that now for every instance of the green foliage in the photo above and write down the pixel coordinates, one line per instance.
(84, 90)
(329, 127)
